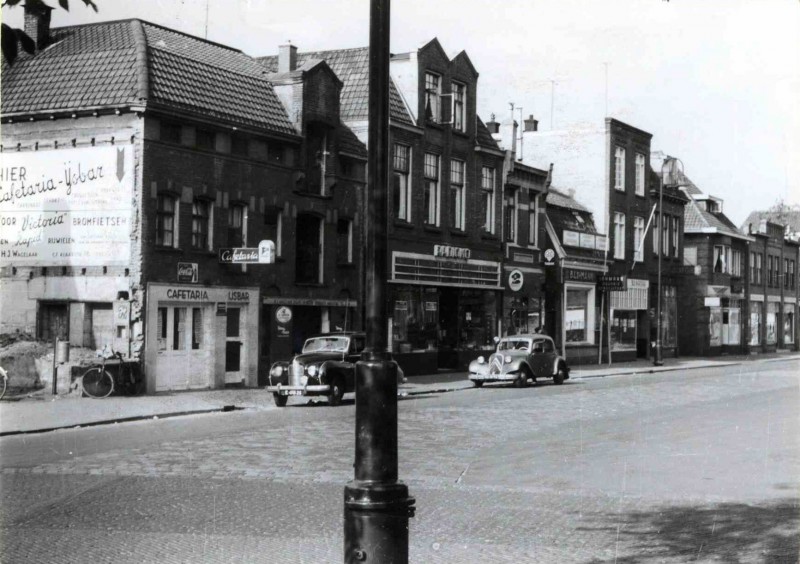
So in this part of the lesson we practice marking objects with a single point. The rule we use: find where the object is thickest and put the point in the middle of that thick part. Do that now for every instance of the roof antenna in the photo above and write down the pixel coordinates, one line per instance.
(206, 33)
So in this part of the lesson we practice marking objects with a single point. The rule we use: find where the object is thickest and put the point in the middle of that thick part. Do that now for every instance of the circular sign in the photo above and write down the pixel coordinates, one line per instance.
(515, 280)
(549, 255)
(283, 314)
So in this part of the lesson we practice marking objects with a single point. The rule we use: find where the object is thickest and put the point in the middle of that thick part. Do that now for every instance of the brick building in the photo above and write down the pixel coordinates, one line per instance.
(609, 169)
(444, 235)
(171, 149)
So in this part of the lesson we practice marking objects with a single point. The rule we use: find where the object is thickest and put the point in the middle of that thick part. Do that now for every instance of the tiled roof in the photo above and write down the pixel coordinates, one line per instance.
(789, 217)
(99, 65)
(349, 143)
(696, 220)
(483, 136)
(564, 218)
(557, 198)
(352, 68)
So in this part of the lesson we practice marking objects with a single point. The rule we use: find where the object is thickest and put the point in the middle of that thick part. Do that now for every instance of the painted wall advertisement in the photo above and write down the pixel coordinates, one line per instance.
(67, 207)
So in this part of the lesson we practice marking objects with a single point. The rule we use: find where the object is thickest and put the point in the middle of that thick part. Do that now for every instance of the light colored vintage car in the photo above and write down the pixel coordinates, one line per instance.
(520, 359)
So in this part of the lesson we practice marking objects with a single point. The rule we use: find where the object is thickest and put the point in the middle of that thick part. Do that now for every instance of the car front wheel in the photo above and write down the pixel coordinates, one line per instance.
(336, 393)
(477, 383)
(280, 400)
(560, 375)
(522, 379)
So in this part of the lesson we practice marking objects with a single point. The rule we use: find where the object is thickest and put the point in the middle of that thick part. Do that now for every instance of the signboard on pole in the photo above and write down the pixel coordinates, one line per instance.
(263, 254)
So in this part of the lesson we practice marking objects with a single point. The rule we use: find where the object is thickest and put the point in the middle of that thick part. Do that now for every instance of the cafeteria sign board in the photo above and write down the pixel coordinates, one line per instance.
(66, 207)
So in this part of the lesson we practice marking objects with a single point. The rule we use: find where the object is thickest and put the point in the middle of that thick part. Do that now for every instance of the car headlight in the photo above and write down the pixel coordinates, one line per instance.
(481, 360)
(312, 371)
(276, 370)
(303, 380)
(507, 359)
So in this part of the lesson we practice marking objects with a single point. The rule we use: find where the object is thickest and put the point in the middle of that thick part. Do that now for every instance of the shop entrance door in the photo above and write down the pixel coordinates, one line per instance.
(234, 346)
(184, 359)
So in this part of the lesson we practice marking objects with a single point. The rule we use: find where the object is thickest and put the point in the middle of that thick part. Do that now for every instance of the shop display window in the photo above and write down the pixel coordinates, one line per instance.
(669, 317)
(755, 323)
(788, 324)
(415, 320)
(623, 330)
(772, 323)
(477, 316)
(731, 333)
(577, 314)
(715, 326)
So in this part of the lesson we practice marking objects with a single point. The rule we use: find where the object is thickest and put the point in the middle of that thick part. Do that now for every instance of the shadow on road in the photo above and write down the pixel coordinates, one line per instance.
(727, 532)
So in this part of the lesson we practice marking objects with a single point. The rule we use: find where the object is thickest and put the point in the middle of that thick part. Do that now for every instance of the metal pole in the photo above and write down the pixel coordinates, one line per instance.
(376, 504)
(55, 366)
(658, 360)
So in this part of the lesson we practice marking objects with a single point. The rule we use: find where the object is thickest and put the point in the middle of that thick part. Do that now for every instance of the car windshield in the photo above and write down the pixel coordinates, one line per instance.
(514, 345)
(326, 344)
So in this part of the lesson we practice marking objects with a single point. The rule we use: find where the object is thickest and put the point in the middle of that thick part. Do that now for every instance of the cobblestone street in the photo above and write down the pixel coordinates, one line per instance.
(685, 466)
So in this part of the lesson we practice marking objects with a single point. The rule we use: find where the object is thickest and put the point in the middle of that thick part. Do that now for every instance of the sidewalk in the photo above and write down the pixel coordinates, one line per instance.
(40, 412)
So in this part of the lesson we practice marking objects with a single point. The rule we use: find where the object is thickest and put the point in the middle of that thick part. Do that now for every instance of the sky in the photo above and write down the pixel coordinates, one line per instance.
(717, 82)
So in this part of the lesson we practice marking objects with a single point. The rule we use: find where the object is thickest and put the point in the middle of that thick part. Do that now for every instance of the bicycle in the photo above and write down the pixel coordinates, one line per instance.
(99, 383)
(4, 384)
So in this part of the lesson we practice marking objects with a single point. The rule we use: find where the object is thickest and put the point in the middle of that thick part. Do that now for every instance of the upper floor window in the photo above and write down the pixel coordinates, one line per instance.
(770, 279)
(205, 139)
(619, 169)
(510, 218)
(487, 198)
(789, 273)
(457, 193)
(237, 223)
(239, 145)
(273, 220)
(459, 106)
(201, 224)
(533, 221)
(433, 93)
(166, 221)
(656, 234)
(638, 236)
(676, 231)
(432, 195)
(736, 262)
(619, 235)
(309, 249)
(665, 236)
(344, 241)
(722, 259)
(401, 181)
(170, 132)
(640, 162)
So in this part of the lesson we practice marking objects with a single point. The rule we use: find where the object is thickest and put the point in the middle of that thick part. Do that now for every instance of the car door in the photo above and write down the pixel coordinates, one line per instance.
(548, 358)
(537, 358)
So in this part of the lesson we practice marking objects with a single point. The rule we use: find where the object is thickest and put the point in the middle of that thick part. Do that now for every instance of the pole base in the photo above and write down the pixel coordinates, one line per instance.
(376, 522)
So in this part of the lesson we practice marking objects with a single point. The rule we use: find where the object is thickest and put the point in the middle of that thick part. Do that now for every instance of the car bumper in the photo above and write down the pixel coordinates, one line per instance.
(500, 377)
(313, 390)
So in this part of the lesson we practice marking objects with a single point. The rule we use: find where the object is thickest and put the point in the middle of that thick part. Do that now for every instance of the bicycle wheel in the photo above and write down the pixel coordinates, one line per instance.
(97, 383)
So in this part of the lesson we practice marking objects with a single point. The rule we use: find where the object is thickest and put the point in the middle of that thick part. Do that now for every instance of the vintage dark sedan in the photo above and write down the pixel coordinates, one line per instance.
(325, 367)
(520, 359)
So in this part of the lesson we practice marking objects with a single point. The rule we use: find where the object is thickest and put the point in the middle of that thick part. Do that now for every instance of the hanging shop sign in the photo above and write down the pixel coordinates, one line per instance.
(610, 282)
(263, 254)
(283, 315)
(515, 280)
(188, 272)
(549, 255)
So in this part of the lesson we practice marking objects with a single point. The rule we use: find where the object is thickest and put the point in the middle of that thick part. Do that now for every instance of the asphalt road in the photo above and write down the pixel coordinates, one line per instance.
(696, 466)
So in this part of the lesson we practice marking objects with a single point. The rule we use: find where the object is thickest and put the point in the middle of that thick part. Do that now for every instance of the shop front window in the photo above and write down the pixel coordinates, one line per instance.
(731, 319)
(772, 323)
(415, 319)
(715, 326)
(477, 314)
(577, 315)
(669, 317)
(623, 330)
(755, 323)
(788, 324)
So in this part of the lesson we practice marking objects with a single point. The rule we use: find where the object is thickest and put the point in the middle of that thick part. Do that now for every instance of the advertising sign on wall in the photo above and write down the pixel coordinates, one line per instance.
(66, 207)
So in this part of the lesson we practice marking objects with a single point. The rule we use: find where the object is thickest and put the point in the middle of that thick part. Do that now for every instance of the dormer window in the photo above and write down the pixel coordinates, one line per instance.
(433, 93)
(459, 106)
(578, 217)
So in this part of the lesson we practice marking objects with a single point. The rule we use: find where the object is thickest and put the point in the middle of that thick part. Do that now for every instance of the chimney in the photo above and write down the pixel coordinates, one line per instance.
(37, 23)
(508, 135)
(287, 58)
(571, 193)
(493, 126)
(531, 124)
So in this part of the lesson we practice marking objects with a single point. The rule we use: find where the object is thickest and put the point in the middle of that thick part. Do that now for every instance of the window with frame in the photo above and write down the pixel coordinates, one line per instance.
(510, 214)
(431, 189)
(457, 194)
(273, 220)
(722, 259)
(459, 106)
(770, 271)
(656, 234)
(433, 93)
(752, 268)
(665, 237)
(205, 139)
(533, 221)
(759, 268)
(166, 221)
(640, 176)
(638, 235)
(487, 198)
(237, 225)
(619, 169)
(344, 241)
(777, 275)
(170, 132)
(309, 249)
(736, 262)
(201, 222)
(790, 274)
(401, 180)
(619, 235)
(676, 230)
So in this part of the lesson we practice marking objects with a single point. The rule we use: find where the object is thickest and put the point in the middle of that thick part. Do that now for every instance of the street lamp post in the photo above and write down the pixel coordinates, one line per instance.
(377, 505)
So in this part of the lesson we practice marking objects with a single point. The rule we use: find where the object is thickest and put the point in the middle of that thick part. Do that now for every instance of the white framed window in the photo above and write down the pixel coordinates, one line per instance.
(619, 169)
(167, 221)
(676, 232)
(459, 105)
(736, 262)
(510, 218)
(344, 241)
(656, 233)
(487, 198)
(640, 174)
(432, 196)
(237, 225)
(202, 220)
(722, 259)
(401, 180)
(433, 97)
(619, 235)
(533, 221)
(457, 194)
(579, 313)
(665, 237)
(638, 236)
